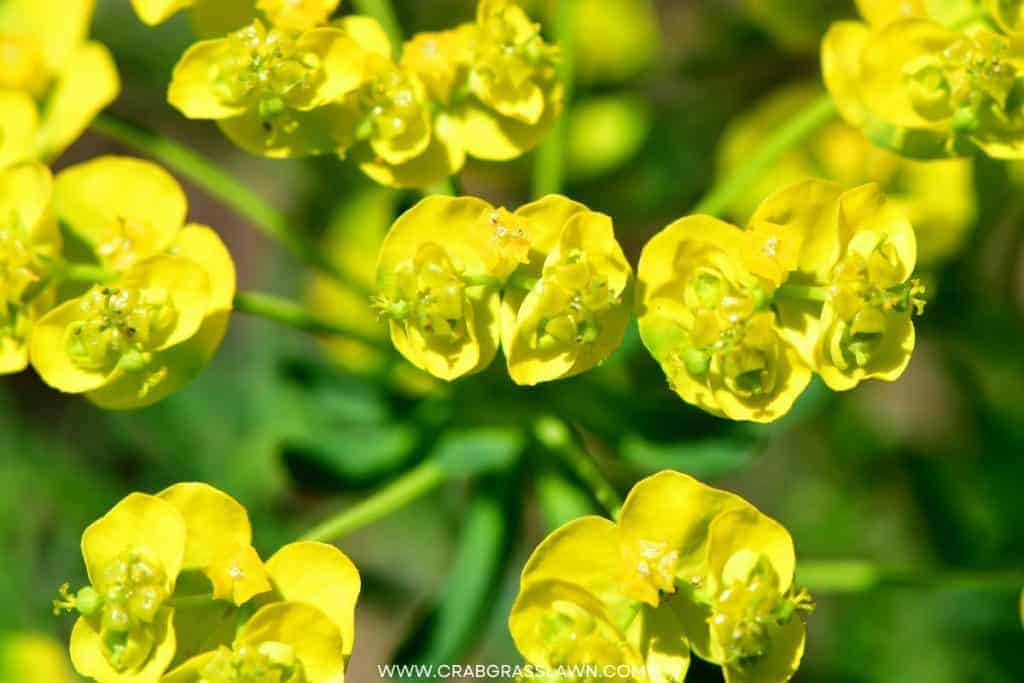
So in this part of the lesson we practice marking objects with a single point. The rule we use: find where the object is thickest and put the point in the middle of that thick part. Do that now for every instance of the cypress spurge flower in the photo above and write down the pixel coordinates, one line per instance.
(53, 80)
(819, 281)
(687, 566)
(925, 86)
(30, 243)
(147, 332)
(553, 266)
(270, 90)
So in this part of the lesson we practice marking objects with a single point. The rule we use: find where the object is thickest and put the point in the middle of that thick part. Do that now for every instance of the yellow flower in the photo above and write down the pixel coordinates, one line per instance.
(132, 342)
(303, 635)
(566, 286)
(271, 92)
(937, 196)
(26, 656)
(435, 286)
(215, 18)
(686, 567)
(30, 243)
(578, 305)
(927, 91)
(298, 15)
(134, 555)
(867, 328)
(515, 92)
(46, 59)
(704, 308)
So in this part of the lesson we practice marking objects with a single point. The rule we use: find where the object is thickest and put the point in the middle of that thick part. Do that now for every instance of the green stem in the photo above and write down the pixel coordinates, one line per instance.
(294, 315)
(724, 194)
(399, 493)
(76, 272)
(225, 188)
(549, 163)
(855, 576)
(802, 293)
(383, 12)
(556, 436)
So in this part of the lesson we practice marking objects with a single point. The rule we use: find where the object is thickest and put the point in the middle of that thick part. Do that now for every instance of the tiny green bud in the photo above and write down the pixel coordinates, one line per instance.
(88, 601)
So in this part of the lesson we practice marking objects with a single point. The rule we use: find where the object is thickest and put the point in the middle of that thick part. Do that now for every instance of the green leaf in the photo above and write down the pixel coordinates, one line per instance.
(471, 452)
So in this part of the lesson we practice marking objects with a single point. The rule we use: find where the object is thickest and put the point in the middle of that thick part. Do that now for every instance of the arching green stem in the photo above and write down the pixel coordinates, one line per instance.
(556, 436)
(292, 314)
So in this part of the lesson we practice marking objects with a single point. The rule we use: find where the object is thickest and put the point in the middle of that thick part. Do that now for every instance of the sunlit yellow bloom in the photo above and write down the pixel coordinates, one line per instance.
(215, 18)
(53, 80)
(134, 555)
(937, 196)
(28, 656)
(133, 341)
(516, 92)
(297, 15)
(30, 243)
(687, 567)
(435, 286)
(867, 328)
(579, 301)
(270, 91)
(566, 286)
(928, 91)
(704, 307)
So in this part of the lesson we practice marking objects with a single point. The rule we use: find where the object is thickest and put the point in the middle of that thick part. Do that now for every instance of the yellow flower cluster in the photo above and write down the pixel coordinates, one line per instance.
(53, 80)
(291, 83)
(686, 568)
(932, 79)
(177, 594)
(820, 281)
(458, 277)
(937, 196)
(158, 296)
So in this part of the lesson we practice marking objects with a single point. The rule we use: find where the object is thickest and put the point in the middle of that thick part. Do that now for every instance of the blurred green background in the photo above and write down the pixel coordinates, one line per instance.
(925, 474)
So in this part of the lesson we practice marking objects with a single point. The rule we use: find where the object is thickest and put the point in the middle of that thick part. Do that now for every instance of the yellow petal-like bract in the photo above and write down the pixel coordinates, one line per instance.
(820, 281)
(549, 283)
(687, 568)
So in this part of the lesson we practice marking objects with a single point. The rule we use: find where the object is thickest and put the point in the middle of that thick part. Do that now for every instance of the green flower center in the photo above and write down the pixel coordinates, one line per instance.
(865, 292)
(270, 662)
(120, 326)
(729, 321)
(430, 294)
(970, 79)
(574, 296)
(511, 53)
(21, 268)
(748, 609)
(575, 638)
(393, 107)
(266, 69)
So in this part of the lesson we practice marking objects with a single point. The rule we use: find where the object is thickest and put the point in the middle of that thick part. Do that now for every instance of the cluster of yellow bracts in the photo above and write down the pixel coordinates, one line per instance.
(820, 281)
(282, 80)
(177, 594)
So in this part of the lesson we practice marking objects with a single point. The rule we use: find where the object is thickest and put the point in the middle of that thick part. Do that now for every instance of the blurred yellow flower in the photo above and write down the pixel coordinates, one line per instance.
(686, 567)
(937, 196)
(149, 331)
(553, 266)
(819, 281)
(30, 244)
(26, 656)
(272, 92)
(925, 89)
(53, 80)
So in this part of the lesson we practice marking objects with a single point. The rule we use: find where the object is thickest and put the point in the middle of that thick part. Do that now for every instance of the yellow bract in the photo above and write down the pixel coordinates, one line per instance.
(687, 567)
(548, 282)
(30, 242)
(163, 311)
(929, 79)
(27, 656)
(298, 86)
(937, 196)
(819, 281)
(45, 57)
(191, 545)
